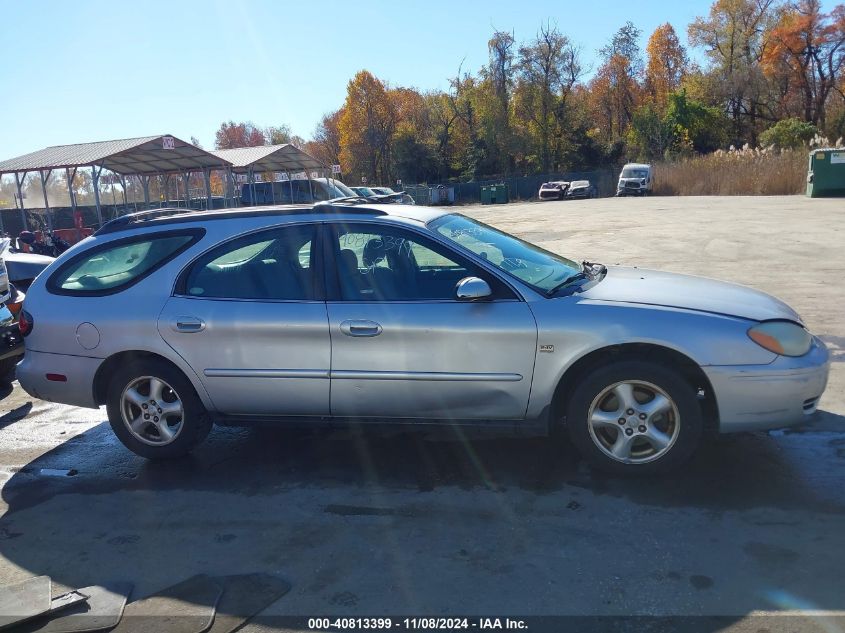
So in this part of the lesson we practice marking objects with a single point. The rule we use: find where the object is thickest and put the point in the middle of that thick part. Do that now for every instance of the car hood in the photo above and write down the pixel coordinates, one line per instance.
(652, 287)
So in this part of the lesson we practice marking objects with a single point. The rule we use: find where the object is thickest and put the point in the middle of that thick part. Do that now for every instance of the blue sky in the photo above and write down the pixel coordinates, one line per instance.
(84, 71)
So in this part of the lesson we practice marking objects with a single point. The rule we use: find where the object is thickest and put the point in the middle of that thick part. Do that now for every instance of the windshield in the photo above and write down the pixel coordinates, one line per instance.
(630, 172)
(529, 263)
(338, 189)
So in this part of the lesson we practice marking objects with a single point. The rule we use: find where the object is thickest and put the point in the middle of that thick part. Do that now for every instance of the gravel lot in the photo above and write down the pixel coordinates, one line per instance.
(373, 523)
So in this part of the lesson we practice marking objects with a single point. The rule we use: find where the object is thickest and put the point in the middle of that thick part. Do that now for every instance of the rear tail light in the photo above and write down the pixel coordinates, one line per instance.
(15, 302)
(25, 322)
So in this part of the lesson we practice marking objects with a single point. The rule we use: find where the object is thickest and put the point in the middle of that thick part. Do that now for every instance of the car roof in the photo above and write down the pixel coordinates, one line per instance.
(169, 216)
(637, 165)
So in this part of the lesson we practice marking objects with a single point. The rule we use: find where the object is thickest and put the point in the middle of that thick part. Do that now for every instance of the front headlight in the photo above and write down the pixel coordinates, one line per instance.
(781, 337)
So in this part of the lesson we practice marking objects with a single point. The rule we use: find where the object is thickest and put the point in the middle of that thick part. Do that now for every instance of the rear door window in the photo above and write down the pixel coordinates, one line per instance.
(271, 265)
(116, 266)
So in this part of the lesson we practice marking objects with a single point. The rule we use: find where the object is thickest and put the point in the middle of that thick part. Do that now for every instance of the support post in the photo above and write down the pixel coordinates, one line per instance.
(44, 180)
(145, 184)
(186, 178)
(95, 177)
(123, 186)
(70, 175)
(19, 183)
(206, 175)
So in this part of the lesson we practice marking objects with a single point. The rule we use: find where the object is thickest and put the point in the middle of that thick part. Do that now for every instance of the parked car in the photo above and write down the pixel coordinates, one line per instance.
(293, 191)
(554, 190)
(22, 267)
(580, 189)
(636, 179)
(383, 195)
(388, 313)
(11, 341)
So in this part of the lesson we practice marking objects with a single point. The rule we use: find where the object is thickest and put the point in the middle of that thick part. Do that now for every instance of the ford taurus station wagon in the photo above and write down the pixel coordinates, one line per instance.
(358, 312)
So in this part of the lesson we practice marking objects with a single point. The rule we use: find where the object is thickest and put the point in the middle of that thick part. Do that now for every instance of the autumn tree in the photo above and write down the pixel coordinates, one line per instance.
(231, 135)
(444, 121)
(615, 89)
(366, 128)
(325, 144)
(666, 66)
(495, 97)
(805, 56)
(549, 67)
(733, 38)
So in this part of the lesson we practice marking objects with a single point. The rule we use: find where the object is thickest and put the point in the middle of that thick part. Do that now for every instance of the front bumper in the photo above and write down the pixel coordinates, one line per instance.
(550, 194)
(759, 397)
(578, 193)
(77, 389)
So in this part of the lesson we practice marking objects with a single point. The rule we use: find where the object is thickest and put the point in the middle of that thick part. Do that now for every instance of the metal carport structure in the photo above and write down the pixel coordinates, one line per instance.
(285, 158)
(143, 157)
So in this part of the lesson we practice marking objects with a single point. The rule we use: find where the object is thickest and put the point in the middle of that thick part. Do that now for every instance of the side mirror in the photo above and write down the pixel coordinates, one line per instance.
(472, 289)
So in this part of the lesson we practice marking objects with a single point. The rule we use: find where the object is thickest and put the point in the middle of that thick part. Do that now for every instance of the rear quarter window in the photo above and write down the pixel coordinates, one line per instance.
(117, 265)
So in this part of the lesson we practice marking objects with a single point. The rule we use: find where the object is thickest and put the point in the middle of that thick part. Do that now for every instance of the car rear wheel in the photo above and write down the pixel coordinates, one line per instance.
(634, 417)
(154, 410)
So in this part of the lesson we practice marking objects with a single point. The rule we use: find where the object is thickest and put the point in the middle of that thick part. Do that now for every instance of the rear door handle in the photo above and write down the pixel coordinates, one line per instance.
(360, 328)
(188, 324)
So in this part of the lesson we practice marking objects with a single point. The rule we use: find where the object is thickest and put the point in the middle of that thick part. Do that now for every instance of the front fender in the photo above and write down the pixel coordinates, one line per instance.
(575, 327)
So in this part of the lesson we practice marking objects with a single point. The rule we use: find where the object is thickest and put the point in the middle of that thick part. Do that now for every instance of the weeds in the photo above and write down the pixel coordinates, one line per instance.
(736, 172)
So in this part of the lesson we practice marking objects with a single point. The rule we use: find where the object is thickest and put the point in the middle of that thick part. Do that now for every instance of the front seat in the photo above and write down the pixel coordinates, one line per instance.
(380, 279)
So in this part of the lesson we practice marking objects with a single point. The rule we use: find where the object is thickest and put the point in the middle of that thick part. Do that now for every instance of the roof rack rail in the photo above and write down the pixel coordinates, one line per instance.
(141, 216)
(171, 215)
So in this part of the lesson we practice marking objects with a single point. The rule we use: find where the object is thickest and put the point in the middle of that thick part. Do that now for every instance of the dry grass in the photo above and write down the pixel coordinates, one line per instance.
(761, 172)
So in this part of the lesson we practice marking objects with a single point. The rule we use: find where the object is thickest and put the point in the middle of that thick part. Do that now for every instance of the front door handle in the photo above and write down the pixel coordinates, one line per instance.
(187, 324)
(360, 328)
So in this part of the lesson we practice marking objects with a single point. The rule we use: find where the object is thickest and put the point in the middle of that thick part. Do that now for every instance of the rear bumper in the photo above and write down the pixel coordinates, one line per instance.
(77, 390)
(759, 397)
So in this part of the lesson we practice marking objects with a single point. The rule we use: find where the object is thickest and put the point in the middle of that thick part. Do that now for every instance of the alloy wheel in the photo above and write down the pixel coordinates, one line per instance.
(634, 422)
(152, 410)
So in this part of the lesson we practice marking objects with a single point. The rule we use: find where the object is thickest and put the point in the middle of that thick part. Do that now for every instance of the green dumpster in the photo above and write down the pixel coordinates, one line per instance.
(826, 173)
(486, 194)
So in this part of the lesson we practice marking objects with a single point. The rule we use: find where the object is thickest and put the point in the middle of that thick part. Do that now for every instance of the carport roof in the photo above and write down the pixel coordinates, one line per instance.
(263, 158)
(145, 155)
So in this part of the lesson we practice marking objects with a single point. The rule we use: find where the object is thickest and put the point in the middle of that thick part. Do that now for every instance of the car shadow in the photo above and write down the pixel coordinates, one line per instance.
(248, 466)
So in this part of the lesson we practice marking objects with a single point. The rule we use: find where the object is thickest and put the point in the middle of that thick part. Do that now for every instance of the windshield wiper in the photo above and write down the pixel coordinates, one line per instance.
(589, 270)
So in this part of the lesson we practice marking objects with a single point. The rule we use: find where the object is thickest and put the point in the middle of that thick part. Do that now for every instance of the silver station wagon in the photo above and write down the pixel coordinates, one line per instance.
(344, 312)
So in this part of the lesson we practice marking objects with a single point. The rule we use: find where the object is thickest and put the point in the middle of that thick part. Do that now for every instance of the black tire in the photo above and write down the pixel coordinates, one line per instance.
(196, 422)
(690, 421)
(7, 370)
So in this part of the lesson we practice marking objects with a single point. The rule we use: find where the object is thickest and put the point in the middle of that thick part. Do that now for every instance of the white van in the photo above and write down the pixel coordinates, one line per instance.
(636, 179)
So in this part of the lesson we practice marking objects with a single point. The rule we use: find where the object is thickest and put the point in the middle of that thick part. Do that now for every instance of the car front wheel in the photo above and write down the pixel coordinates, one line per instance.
(634, 417)
(154, 410)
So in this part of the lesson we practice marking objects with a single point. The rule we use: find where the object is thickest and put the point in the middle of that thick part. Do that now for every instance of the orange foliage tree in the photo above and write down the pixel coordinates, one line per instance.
(666, 66)
(805, 56)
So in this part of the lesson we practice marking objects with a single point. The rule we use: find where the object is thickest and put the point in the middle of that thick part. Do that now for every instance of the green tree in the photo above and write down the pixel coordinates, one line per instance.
(789, 134)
